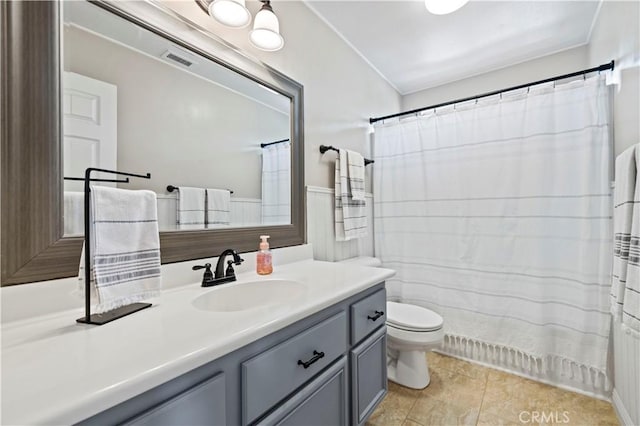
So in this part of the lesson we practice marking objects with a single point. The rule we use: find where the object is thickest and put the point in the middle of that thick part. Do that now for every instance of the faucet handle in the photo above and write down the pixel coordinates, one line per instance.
(207, 278)
(206, 265)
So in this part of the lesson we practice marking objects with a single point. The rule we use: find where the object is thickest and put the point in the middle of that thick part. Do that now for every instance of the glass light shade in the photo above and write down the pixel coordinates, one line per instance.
(266, 31)
(442, 7)
(232, 13)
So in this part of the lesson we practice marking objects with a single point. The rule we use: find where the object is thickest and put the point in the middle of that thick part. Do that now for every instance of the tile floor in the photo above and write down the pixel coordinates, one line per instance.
(462, 393)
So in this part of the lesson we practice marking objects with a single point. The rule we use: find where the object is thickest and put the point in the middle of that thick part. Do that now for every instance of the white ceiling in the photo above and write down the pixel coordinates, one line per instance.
(415, 50)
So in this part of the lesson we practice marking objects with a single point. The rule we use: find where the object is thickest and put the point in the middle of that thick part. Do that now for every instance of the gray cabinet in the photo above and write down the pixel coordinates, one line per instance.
(272, 375)
(368, 376)
(204, 404)
(326, 369)
(322, 402)
(368, 315)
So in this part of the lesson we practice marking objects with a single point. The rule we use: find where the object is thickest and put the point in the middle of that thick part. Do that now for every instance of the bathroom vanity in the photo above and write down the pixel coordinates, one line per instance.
(314, 353)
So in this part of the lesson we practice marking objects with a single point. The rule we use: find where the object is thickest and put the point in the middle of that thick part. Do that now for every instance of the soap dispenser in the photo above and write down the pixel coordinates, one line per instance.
(263, 258)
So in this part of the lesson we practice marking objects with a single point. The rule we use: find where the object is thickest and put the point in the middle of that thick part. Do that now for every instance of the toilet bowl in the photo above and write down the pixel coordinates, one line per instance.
(412, 331)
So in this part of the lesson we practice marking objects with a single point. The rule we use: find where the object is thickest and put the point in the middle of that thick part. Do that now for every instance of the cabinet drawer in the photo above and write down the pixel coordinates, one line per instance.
(204, 404)
(368, 375)
(322, 402)
(272, 375)
(366, 317)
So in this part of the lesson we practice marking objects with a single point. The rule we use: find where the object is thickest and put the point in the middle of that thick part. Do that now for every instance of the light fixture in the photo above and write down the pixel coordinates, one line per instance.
(266, 29)
(442, 7)
(232, 13)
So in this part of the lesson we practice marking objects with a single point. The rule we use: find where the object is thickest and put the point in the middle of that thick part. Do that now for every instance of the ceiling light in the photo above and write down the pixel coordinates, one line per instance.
(232, 13)
(266, 29)
(442, 7)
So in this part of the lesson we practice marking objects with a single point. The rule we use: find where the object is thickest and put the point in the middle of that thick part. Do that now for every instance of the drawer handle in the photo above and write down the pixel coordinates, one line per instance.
(377, 315)
(316, 356)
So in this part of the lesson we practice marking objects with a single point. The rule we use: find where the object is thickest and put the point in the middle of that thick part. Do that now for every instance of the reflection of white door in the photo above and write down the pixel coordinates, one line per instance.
(90, 126)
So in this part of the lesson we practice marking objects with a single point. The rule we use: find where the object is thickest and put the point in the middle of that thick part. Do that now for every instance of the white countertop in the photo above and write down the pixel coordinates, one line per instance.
(55, 371)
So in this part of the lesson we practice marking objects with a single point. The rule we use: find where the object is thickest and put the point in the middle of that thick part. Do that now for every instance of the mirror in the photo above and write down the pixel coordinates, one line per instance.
(33, 108)
(137, 102)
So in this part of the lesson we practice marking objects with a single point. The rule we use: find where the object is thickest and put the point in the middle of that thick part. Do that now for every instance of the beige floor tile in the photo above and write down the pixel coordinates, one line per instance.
(447, 385)
(461, 393)
(503, 386)
(429, 411)
(439, 361)
(584, 410)
(395, 407)
(411, 423)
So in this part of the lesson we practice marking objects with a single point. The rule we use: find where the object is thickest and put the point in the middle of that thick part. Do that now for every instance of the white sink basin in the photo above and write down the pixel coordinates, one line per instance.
(244, 296)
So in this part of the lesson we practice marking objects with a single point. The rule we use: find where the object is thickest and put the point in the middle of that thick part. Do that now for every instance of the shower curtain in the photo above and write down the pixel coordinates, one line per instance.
(276, 184)
(497, 215)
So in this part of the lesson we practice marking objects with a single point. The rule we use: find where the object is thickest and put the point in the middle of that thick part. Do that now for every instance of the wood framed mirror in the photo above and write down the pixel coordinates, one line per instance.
(33, 246)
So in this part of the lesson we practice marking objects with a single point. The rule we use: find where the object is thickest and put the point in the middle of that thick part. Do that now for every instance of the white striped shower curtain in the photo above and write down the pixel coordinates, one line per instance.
(276, 184)
(497, 215)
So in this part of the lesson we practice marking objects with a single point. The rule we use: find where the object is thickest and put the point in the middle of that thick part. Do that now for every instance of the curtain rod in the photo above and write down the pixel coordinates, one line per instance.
(262, 145)
(603, 67)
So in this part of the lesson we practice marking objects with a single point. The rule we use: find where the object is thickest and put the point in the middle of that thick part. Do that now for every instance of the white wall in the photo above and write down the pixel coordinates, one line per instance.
(181, 128)
(341, 91)
(616, 35)
(537, 69)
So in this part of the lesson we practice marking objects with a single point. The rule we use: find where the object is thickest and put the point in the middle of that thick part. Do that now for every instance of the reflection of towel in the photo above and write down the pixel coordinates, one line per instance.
(350, 214)
(218, 207)
(125, 247)
(73, 213)
(356, 174)
(191, 208)
(625, 289)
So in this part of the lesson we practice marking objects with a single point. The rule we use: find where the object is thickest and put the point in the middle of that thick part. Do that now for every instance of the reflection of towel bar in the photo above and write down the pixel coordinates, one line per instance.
(325, 148)
(171, 188)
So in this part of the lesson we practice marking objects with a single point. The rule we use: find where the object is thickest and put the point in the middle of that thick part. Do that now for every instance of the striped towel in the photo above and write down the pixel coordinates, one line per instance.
(218, 208)
(356, 175)
(125, 247)
(191, 208)
(350, 214)
(625, 288)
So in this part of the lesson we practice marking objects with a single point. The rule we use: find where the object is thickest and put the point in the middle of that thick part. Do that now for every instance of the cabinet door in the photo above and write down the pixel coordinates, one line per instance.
(203, 404)
(368, 375)
(322, 402)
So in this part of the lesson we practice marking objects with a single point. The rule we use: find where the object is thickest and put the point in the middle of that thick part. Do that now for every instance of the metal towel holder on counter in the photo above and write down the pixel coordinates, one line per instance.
(114, 314)
(171, 188)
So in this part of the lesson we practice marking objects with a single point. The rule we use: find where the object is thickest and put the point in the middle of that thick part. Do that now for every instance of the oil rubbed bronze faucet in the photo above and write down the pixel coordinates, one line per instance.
(221, 276)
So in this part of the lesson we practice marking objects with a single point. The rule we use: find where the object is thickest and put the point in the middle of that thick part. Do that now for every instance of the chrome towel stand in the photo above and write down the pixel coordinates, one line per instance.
(114, 314)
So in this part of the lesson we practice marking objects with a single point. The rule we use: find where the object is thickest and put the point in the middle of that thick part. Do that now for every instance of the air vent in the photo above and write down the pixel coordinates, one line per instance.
(176, 57)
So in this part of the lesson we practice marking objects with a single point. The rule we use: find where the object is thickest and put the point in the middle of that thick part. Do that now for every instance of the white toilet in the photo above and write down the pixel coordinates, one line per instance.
(412, 331)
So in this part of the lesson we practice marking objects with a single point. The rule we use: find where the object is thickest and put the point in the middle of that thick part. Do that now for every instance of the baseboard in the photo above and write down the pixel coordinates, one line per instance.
(621, 411)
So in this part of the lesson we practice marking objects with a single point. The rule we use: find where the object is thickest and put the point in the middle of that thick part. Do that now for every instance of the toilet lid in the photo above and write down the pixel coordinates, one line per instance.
(412, 317)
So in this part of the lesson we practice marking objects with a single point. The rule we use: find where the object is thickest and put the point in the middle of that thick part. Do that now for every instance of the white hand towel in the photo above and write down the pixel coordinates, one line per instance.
(125, 247)
(191, 208)
(625, 286)
(73, 213)
(356, 175)
(350, 214)
(218, 208)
